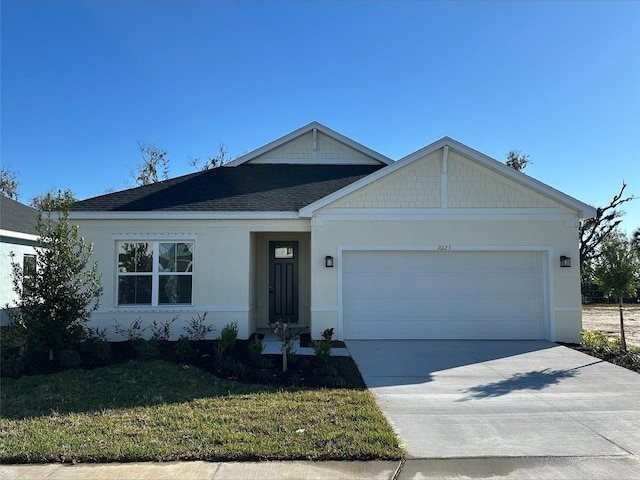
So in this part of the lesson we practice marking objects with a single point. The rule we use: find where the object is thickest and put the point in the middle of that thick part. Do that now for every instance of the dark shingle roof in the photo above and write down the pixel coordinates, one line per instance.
(16, 217)
(245, 188)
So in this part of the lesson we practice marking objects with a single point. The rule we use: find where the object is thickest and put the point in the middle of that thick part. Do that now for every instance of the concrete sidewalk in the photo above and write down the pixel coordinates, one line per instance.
(204, 471)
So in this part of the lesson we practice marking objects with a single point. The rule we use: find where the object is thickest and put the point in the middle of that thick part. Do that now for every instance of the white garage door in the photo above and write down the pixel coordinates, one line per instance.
(440, 295)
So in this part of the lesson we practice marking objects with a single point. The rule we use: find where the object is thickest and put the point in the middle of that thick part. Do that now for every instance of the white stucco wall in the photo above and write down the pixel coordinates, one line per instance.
(457, 203)
(19, 247)
(460, 205)
(225, 272)
(551, 238)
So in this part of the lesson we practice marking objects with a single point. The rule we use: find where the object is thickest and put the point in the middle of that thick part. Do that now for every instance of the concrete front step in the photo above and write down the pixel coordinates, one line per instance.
(273, 346)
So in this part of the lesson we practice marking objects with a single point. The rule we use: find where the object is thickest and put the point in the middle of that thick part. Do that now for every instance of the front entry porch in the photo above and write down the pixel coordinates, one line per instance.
(280, 279)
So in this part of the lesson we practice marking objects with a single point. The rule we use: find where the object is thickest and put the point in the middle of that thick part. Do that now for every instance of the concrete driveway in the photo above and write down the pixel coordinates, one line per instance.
(505, 400)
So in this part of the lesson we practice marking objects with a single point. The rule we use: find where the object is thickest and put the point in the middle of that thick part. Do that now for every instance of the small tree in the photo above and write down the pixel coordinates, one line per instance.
(635, 239)
(517, 160)
(616, 272)
(56, 300)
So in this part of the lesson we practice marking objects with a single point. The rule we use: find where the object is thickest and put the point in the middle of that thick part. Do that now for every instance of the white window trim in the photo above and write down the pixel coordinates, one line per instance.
(155, 273)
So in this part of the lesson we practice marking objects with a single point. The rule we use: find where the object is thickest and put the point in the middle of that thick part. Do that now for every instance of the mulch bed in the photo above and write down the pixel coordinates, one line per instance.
(628, 360)
(235, 364)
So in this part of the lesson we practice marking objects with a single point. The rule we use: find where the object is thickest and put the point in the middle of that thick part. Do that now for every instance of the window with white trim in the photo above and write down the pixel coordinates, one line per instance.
(155, 273)
(29, 266)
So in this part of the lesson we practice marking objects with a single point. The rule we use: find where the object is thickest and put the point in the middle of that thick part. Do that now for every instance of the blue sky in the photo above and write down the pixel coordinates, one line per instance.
(84, 82)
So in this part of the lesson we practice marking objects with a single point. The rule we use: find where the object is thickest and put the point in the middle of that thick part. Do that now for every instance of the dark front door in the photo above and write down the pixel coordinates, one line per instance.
(283, 281)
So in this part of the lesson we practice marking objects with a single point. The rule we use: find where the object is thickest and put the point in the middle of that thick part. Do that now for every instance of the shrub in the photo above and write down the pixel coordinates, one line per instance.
(97, 333)
(327, 335)
(95, 351)
(227, 339)
(161, 330)
(322, 348)
(333, 381)
(196, 328)
(256, 347)
(184, 351)
(95, 348)
(146, 349)
(12, 363)
(594, 340)
(232, 367)
(132, 332)
(69, 358)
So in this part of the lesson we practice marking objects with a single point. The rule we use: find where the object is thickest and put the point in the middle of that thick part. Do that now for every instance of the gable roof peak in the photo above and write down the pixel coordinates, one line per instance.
(355, 153)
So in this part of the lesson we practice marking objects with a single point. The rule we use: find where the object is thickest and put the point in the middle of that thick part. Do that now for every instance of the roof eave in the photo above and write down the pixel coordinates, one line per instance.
(582, 209)
(184, 215)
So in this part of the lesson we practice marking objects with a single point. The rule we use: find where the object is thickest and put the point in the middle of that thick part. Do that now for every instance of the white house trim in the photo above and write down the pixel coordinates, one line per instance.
(154, 236)
(319, 161)
(583, 210)
(313, 126)
(178, 215)
(187, 309)
(18, 235)
(441, 214)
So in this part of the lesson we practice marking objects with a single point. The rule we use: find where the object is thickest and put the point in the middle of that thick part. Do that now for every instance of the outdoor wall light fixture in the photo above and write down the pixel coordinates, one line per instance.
(328, 261)
(565, 261)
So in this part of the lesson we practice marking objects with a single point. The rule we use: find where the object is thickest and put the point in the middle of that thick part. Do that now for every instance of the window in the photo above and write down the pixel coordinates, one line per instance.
(283, 252)
(155, 273)
(28, 271)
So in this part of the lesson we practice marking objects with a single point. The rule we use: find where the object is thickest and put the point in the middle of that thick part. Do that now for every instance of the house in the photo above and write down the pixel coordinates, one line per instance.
(18, 235)
(318, 229)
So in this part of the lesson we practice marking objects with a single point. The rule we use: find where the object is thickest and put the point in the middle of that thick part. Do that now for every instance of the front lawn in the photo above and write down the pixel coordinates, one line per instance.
(160, 411)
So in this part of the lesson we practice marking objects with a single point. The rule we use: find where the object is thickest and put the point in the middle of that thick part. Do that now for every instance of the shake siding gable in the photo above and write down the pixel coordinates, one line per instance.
(415, 186)
(303, 148)
(470, 185)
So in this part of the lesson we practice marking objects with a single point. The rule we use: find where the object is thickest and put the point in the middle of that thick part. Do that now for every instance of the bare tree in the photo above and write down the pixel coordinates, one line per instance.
(214, 162)
(154, 166)
(593, 231)
(9, 183)
(517, 160)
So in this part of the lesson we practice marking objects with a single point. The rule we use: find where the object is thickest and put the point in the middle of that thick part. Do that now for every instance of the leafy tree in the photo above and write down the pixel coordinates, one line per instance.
(594, 231)
(517, 160)
(9, 183)
(616, 272)
(635, 239)
(56, 300)
(154, 166)
(214, 162)
(52, 201)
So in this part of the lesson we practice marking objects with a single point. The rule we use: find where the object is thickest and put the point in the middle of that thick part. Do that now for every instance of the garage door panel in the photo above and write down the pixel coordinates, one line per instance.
(468, 295)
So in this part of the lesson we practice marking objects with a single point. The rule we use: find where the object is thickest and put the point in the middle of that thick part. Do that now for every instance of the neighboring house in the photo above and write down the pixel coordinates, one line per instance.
(18, 235)
(317, 229)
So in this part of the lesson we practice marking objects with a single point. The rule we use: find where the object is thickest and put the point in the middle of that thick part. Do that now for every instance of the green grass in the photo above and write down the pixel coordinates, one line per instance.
(158, 411)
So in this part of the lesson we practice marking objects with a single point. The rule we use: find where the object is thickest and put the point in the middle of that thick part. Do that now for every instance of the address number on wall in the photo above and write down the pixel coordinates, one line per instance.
(442, 248)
